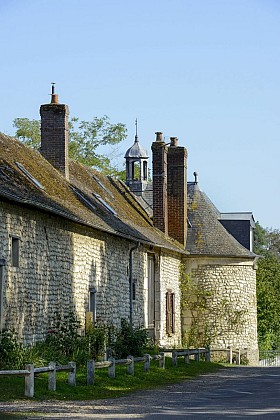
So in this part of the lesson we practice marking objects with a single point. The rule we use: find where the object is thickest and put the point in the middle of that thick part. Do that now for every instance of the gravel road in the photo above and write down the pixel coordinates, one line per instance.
(233, 393)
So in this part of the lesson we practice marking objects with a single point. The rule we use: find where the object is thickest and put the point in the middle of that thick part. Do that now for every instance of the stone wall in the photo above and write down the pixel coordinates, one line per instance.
(229, 316)
(60, 260)
(170, 274)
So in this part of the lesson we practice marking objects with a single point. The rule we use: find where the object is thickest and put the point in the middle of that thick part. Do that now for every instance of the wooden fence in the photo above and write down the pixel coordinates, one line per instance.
(30, 370)
(188, 354)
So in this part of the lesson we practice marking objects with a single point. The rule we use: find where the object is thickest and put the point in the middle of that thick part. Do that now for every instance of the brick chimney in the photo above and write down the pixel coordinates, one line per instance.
(160, 216)
(54, 134)
(177, 191)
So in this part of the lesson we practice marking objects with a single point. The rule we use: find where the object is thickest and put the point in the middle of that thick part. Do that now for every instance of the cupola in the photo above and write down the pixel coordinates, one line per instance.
(136, 167)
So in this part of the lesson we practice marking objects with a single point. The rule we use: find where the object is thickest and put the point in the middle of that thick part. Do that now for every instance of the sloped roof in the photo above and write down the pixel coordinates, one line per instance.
(136, 151)
(206, 235)
(90, 198)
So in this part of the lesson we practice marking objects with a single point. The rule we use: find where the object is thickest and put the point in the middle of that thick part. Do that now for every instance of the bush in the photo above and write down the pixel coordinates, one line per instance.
(64, 343)
(130, 341)
(12, 353)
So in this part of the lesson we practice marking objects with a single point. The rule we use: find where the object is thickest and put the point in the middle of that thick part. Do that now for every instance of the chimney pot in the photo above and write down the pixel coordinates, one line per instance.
(54, 99)
(158, 136)
(174, 141)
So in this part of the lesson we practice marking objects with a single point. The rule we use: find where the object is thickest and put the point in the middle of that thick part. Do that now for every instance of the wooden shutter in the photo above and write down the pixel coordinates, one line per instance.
(170, 313)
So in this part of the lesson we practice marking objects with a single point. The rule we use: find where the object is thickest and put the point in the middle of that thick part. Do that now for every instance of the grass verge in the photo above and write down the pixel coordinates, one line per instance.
(12, 387)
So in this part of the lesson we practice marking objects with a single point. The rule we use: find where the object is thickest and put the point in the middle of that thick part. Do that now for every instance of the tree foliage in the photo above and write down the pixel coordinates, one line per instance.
(86, 138)
(267, 245)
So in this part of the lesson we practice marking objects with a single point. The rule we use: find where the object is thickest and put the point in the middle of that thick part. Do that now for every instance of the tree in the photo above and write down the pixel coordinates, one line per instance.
(85, 138)
(267, 244)
(266, 241)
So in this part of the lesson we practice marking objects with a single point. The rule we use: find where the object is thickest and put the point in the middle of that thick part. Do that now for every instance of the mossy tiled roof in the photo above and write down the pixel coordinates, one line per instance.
(206, 235)
(111, 207)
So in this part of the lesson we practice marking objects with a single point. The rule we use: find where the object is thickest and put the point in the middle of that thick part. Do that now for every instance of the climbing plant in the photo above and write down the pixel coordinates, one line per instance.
(208, 317)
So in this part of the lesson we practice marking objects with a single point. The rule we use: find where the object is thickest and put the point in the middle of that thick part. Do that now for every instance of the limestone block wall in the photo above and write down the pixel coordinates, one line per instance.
(230, 317)
(169, 271)
(59, 261)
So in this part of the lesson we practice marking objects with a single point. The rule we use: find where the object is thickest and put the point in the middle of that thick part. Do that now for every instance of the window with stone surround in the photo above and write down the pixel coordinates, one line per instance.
(151, 292)
(15, 251)
(91, 312)
(170, 312)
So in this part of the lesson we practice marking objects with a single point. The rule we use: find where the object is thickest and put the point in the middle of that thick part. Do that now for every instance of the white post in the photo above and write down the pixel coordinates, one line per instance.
(112, 368)
(208, 355)
(130, 366)
(147, 362)
(187, 356)
(174, 358)
(238, 360)
(161, 362)
(52, 377)
(29, 381)
(72, 374)
(230, 354)
(90, 372)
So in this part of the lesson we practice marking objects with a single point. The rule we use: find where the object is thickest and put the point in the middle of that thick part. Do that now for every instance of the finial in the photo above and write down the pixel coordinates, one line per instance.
(54, 96)
(195, 177)
(136, 134)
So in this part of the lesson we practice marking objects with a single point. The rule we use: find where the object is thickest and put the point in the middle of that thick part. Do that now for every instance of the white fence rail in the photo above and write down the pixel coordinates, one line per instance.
(188, 354)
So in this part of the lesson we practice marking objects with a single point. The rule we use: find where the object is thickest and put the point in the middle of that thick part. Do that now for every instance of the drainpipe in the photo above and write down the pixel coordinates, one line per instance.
(131, 282)
(2, 263)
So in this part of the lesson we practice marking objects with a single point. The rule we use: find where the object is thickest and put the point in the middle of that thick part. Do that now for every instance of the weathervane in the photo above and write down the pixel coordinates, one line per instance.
(136, 134)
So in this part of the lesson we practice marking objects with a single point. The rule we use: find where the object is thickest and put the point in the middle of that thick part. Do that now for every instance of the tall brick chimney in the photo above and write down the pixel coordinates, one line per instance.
(160, 215)
(177, 191)
(54, 134)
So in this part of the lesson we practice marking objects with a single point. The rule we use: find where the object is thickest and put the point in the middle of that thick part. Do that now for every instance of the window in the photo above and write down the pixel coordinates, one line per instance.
(102, 185)
(170, 313)
(83, 198)
(106, 205)
(134, 289)
(145, 170)
(15, 251)
(91, 314)
(151, 291)
(29, 176)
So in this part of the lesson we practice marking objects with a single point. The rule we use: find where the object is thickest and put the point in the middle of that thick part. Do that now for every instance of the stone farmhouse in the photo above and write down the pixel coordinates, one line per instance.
(76, 241)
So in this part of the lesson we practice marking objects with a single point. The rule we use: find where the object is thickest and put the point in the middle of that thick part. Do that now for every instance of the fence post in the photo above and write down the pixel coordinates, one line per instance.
(161, 362)
(90, 372)
(174, 358)
(147, 362)
(52, 377)
(208, 355)
(130, 366)
(197, 355)
(72, 374)
(112, 368)
(29, 381)
(187, 356)
(238, 359)
(230, 354)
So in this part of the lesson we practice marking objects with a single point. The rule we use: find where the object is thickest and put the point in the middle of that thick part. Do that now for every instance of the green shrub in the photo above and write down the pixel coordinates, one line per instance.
(12, 353)
(130, 341)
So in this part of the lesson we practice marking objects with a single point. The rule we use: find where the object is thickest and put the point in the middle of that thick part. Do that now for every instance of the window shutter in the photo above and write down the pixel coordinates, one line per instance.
(173, 312)
(170, 313)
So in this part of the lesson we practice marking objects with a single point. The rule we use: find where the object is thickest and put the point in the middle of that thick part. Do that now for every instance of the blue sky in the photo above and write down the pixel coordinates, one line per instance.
(206, 71)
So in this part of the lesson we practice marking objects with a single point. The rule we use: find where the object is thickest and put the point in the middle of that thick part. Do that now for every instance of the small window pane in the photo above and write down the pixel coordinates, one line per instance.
(15, 252)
